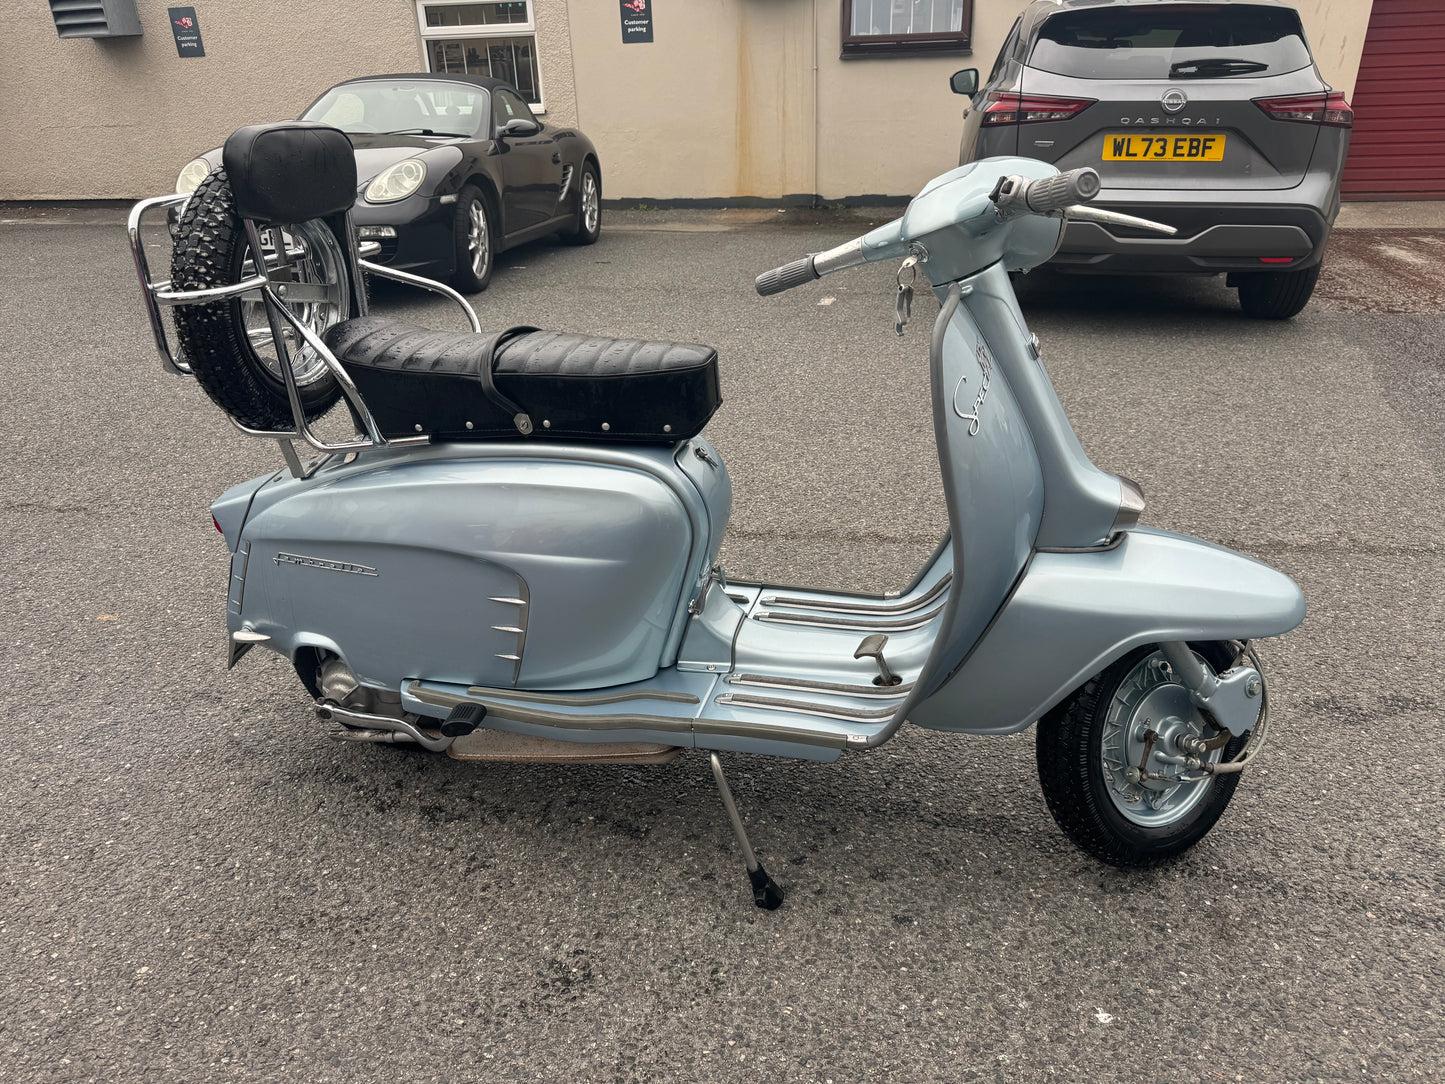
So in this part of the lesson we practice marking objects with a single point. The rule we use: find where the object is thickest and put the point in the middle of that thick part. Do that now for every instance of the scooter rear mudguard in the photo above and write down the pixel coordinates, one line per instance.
(1072, 614)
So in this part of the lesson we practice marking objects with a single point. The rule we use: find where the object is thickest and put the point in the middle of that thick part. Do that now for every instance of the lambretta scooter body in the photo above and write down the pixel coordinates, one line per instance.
(568, 591)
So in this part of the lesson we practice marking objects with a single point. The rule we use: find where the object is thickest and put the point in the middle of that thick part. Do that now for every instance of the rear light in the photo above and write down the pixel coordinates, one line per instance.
(1031, 108)
(1332, 109)
(217, 524)
(1276, 259)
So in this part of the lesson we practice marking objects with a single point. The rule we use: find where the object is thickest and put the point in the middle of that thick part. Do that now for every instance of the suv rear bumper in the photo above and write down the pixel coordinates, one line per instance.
(1211, 239)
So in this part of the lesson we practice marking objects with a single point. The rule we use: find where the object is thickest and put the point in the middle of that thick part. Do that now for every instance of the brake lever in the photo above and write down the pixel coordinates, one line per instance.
(1083, 212)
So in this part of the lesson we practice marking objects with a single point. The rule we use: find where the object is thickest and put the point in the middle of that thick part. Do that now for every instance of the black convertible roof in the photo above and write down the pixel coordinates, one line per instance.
(486, 82)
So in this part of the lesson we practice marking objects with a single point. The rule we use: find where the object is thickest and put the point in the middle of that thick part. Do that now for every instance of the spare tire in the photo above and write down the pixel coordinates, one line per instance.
(229, 343)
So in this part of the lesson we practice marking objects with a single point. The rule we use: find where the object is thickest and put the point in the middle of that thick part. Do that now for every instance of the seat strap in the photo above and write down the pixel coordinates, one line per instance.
(486, 362)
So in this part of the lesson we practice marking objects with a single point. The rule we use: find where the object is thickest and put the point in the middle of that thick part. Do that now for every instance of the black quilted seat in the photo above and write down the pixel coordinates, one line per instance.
(573, 387)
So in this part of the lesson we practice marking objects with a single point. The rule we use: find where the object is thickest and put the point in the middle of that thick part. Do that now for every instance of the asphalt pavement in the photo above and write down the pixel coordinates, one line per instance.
(198, 884)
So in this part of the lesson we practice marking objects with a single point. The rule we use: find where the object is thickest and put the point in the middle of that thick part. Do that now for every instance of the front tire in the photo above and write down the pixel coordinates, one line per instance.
(475, 231)
(228, 343)
(1087, 744)
(1276, 295)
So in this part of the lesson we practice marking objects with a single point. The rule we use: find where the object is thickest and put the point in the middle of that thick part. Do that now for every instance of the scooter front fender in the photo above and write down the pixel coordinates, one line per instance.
(1072, 614)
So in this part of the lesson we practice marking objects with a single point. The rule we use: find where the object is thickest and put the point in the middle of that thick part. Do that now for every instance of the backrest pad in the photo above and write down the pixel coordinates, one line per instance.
(290, 171)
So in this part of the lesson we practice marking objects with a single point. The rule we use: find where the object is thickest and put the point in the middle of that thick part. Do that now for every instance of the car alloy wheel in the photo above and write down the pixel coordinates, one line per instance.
(478, 240)
(473, 232)
(591, 203)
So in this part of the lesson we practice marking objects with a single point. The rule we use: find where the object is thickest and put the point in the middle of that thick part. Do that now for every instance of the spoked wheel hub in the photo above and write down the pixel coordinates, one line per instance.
(1151, 732)
(306, 264)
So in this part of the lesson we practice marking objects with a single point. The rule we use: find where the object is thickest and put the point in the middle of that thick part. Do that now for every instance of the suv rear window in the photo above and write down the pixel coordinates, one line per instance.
(1167, 41)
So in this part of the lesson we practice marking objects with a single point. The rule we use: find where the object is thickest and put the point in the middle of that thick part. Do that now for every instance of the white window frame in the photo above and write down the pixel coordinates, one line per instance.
(481, 30)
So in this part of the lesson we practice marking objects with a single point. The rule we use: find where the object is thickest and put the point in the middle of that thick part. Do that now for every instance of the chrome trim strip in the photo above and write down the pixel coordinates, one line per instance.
(244, 549)
(523, 619)
(1114, 542)
(663, 724)
(803, 707)
(869, 692)
(1131, 504)
(882, 608)
(584, 699)
(847, 623)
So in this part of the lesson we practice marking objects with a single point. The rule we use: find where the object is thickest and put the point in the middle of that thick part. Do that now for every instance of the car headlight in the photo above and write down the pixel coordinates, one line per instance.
(396, 182)
(196, 171)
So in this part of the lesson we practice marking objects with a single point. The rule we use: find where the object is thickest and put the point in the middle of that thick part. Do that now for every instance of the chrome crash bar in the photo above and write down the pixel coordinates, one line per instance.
(158, 294)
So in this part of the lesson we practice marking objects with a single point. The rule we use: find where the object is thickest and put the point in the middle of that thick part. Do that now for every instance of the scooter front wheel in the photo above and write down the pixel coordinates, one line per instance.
(1110, 758)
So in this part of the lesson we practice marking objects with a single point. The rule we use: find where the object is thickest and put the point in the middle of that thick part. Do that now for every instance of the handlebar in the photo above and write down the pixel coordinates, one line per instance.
(1064, 195)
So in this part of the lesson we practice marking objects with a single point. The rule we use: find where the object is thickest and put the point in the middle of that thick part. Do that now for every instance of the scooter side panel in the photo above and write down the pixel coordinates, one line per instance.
(407, 567)
(1075, 613)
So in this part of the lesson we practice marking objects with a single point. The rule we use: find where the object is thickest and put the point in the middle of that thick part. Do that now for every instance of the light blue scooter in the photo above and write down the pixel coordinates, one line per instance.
(526, 597)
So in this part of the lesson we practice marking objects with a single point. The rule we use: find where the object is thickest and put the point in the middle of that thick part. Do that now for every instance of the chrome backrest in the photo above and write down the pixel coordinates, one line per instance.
(286, 173)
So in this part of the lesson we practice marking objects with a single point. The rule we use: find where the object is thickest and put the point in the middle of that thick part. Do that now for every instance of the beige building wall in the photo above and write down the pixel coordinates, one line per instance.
(94, 119)
(733, 98)
(749, 98)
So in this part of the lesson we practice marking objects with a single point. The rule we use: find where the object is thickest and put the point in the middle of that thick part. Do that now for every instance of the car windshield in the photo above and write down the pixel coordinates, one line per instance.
(1171, 41)
(432, 108)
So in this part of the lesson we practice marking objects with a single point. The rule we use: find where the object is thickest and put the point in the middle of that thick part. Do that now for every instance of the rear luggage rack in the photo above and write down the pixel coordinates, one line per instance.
(158, 294)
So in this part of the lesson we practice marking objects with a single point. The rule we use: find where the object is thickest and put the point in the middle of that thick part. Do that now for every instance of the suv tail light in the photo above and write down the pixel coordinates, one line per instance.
(1333, 109)
(1031, 108)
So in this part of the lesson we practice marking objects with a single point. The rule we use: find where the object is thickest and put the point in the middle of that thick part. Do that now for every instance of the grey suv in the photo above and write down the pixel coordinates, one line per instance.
(1210, 117)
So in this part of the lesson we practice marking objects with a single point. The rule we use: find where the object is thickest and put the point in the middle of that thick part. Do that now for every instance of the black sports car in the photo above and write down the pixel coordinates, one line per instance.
(453, 169)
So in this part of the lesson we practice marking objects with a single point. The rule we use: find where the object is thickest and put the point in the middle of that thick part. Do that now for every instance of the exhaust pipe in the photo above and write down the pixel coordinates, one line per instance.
(364, 723)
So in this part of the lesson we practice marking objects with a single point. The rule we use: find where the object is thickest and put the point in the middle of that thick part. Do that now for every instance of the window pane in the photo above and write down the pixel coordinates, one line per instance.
(513, 60)
(1172, 42)
(383, 106)
(512, 11)
(893, 18)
